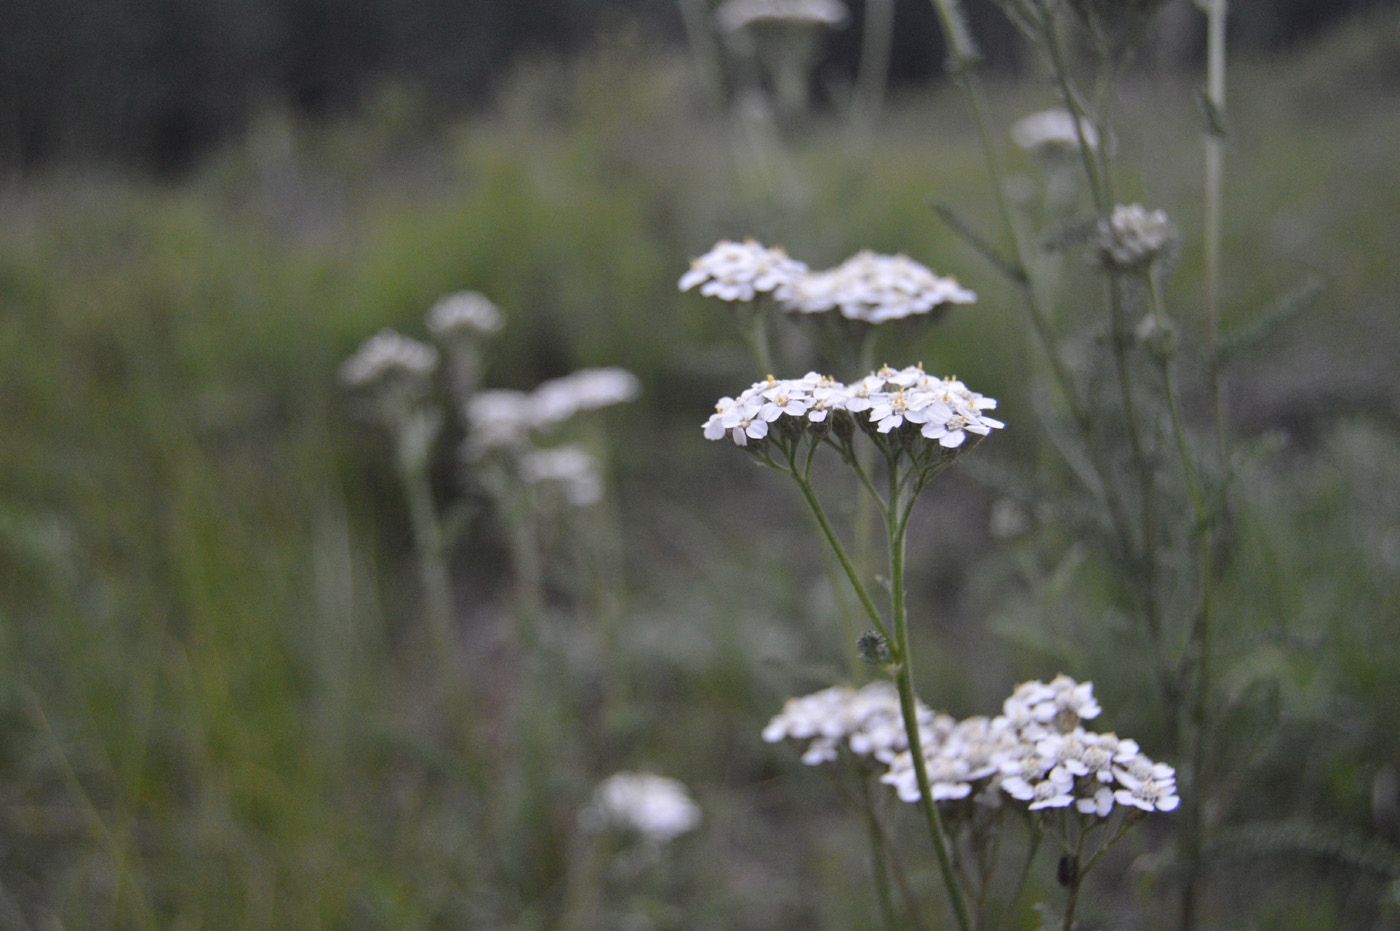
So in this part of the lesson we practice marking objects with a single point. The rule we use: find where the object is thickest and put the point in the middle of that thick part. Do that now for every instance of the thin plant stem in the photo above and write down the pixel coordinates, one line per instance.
(1198, 643)
(1098, 181)
(1214, 201)
(429, 550)
(904, 681)
(1146, 476)
(835, 542)
(878, 863)
(1076, 881)
(118, 848)
(1036, 836)
(873, 73)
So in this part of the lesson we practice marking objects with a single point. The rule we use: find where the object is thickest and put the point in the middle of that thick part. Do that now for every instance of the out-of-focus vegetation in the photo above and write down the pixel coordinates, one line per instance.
(217, 707)
(155, 84)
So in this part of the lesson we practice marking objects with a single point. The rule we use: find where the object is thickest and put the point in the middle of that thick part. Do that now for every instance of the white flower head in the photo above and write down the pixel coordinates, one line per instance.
(559, 399)
(497, 420)
(1041, 708)
(1150, 788)
(570, 466)
(465, 313)
(389, 355)
(875, 288)
(868, 720)
(739, 271)
(943, 409)
(657, 808)
(1132, 237)
(741, 14)
(1053, 131)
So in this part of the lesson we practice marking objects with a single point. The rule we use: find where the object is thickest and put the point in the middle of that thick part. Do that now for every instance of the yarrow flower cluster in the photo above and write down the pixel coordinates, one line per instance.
(867, 719)
(741, 14)
(505, 419)
(559, 399)
(1132, 236)
(1053, 131)
(875, 288)
(657, 808)
(468, 313)
(570, 466)
(1036, 751)
(387, 355)
(942, 409)
(739, 271)
(868, 287)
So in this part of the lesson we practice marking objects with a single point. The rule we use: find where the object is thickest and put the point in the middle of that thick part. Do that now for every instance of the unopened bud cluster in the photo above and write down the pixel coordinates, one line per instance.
(1132, 237)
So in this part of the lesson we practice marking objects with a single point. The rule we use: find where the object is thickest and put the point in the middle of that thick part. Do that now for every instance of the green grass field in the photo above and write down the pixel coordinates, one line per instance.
(218, 705)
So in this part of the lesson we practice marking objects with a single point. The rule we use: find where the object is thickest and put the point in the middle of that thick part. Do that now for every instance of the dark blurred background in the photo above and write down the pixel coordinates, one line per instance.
(151, 84)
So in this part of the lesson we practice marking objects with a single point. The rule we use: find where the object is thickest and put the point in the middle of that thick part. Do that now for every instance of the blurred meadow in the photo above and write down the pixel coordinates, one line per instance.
(220, 705)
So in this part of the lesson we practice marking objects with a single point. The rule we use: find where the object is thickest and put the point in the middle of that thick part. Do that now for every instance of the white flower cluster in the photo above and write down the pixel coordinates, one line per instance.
(570, 466)
(740, 14)
(1052, 130)
(468, 313)
(558, 399)
(739, 271)
(868, 719)
(875, 288)
(386, 355)
(869, 286)
(943, 409)
(503, 418)
(657, 808)
(1132, 236)
(1036, 751)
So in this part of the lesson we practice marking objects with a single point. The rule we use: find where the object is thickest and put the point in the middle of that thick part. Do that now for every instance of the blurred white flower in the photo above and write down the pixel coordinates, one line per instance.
(1132, 236)
(657, 808)
(875, 288)
(740, 14)
(499, 419)
(1052, 130)
(386, 355)
(571, 466)
(739, 271)
(868, 719)
(558, 399)
(468, 313)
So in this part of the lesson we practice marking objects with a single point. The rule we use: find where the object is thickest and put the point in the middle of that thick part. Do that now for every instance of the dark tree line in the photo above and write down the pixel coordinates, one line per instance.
(153, 83)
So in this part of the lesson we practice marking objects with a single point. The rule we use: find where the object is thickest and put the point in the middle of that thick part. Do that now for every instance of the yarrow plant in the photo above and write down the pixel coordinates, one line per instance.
(917, 425)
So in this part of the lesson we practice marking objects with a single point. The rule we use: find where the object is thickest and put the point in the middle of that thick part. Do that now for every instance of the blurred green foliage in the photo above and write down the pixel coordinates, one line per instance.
(214, 705)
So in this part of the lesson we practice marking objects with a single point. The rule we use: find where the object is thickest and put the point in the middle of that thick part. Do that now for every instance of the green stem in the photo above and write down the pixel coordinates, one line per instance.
(1098, 181)
(879, 866)
(904, 681)
(835, 542)
(1214, 200)
(428, 547)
